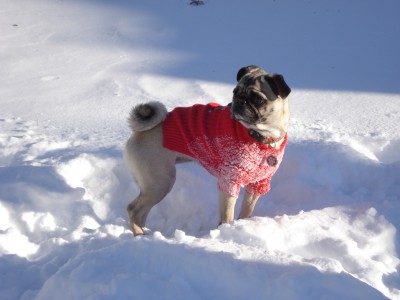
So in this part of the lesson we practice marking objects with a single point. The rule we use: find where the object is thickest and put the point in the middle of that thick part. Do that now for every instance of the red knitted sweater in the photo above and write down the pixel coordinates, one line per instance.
(222, 146)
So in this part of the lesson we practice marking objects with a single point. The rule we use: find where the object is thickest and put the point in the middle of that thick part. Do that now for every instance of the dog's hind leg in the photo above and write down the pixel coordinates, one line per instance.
(155, 179)
(154, 170)
(149, 196)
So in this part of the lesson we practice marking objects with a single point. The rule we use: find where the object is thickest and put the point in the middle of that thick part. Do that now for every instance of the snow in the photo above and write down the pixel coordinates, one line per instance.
(71, 71)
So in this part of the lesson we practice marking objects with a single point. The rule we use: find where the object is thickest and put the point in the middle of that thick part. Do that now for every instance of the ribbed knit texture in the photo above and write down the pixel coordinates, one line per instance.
(222, 146)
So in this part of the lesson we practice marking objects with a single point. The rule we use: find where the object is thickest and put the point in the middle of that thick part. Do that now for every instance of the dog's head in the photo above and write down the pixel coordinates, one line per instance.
(260, 101)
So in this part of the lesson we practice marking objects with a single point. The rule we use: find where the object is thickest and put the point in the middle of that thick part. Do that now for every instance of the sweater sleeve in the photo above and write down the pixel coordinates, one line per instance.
(260, 187)
(228, 187)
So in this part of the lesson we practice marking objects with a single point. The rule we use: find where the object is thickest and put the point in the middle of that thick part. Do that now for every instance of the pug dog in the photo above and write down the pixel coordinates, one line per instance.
(242, 144)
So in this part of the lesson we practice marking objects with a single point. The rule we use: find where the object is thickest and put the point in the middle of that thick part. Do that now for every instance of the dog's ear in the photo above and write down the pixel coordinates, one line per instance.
(278, 85)
(243, 71)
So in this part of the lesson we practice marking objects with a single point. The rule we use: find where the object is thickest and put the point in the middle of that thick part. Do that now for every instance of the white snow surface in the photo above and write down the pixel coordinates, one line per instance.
(71, 71)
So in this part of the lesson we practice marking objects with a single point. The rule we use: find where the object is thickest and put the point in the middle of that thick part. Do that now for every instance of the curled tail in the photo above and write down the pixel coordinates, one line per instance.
(147, 115)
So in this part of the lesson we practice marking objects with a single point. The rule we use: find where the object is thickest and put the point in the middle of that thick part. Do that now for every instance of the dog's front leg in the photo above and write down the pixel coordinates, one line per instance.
(226, 207)
(248, 204)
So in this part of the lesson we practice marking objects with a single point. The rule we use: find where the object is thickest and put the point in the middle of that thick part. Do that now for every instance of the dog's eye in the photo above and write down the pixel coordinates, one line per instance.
(239, 96)
(241, 100)
(257, 99)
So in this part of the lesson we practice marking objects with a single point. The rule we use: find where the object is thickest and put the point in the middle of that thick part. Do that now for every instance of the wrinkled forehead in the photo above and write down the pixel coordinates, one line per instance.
(252, 78)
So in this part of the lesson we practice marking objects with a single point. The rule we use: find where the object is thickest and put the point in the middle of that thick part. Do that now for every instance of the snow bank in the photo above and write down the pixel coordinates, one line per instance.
(332, 229)
(199, 269)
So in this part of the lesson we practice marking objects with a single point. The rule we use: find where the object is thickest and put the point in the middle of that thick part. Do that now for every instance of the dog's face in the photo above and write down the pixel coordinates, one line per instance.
(259, 101)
